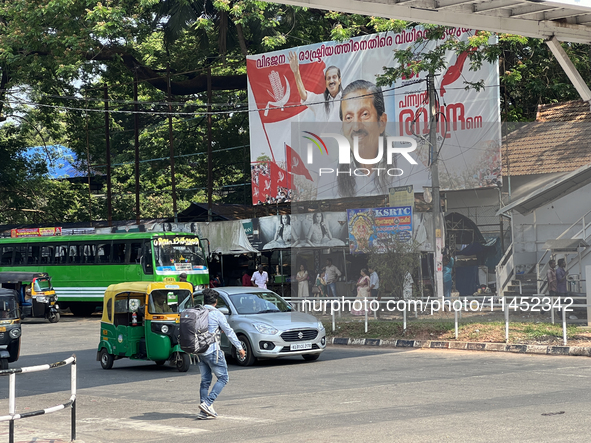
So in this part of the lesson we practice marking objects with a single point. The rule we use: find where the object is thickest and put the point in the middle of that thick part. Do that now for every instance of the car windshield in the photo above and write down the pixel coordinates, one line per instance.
(8, 307)
(259, 303)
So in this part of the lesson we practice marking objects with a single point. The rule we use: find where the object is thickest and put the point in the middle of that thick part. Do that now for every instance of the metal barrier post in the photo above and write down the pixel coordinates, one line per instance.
(564, 324)
(333, 319)
(366, 321)
(506, 322)
(404, 317)
(456, 321)
(552, 309)
(11, 405)
(73, 394)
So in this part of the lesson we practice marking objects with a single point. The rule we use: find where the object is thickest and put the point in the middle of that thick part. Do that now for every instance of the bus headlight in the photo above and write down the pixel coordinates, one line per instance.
(15, 333)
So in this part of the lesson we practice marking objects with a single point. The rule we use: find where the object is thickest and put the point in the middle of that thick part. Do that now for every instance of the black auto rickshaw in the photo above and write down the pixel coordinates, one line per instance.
(37, 297)
(10, 327)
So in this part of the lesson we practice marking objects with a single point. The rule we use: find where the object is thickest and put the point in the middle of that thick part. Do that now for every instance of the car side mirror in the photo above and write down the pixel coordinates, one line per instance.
(224, 310)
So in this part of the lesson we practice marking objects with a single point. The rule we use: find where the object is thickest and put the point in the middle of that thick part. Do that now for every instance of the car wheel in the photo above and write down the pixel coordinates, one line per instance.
(4, 363)
(183, 362)
(311, 357)
(53, 318)
(106, 359)
(160, 362)
(249, 358)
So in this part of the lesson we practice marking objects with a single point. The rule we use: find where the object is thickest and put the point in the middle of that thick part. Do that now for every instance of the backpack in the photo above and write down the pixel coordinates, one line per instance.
(194, 335)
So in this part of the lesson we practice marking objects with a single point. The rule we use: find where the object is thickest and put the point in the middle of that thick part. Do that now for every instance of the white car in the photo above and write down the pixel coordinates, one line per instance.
(267, 325)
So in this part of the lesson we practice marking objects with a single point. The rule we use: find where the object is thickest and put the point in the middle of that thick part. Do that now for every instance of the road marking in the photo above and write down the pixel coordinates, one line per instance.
(144, 426)
(348, 402)
(238, 418)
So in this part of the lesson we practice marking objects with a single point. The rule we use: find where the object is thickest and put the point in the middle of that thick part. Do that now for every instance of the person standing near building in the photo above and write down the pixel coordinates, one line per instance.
(561, 274)
(374, 283)
(448, 264)
(331, 273)
(246, 279)
(213, 360)
(260, 278)
(551, 275)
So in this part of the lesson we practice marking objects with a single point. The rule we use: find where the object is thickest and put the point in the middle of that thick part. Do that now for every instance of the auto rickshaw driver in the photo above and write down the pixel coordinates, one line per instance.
(161, 303)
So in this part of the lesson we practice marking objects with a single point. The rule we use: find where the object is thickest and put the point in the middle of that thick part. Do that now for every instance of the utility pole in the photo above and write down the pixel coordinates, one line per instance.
(437, 237)
(108, 146)
(170, 140)
(209, 151)
(136, 131)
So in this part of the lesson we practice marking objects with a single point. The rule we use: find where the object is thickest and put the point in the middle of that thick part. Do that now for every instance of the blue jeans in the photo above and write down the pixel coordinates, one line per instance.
(447, 289)
(207, 366)
(332, 289)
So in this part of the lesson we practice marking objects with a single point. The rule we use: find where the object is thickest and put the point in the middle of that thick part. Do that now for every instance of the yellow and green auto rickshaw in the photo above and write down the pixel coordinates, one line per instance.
(37, 297)
(141, 322)
(10, 327)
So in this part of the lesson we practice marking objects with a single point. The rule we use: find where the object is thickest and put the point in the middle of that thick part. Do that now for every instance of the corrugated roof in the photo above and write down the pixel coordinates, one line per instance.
(558, 141)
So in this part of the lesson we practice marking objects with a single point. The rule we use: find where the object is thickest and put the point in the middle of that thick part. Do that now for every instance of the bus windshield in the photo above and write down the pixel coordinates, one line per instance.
(178, 254)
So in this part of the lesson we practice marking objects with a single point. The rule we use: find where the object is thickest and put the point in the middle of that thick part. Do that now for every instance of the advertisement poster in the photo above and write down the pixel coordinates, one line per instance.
(369, 227)
(305, 102)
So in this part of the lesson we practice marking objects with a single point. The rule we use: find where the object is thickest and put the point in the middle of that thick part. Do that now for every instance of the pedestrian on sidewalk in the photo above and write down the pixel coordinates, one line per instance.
(561, 275)
(213, 360)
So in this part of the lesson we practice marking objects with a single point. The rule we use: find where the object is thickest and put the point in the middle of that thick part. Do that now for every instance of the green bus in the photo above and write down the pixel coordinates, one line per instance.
(82, 266)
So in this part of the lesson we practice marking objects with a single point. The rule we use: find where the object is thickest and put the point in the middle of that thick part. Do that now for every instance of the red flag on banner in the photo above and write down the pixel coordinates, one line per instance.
(281, 177)
(275, 91)
(295, 165)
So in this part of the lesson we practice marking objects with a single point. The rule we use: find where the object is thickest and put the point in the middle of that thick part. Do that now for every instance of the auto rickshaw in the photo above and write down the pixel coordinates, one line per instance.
(37, 297)
(141, 321)
(10, 327)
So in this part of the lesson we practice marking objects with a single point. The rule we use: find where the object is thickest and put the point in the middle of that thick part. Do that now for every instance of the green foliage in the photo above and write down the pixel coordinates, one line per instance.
(393, 259)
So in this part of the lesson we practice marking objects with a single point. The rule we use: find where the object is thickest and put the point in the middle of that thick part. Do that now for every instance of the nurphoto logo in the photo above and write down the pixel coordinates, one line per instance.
(394, 146)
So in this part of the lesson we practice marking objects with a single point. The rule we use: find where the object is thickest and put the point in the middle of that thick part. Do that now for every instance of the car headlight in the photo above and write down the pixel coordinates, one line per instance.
(15, 333)
(265, 329)
(320, 326)
(164, 329)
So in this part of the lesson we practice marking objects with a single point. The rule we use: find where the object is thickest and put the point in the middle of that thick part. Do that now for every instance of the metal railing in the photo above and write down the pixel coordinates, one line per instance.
(71, 403)
(488, 301)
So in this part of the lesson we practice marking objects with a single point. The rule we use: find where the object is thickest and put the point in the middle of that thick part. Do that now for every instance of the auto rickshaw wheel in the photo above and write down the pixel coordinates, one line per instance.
(54, 318)
(4, 363)
(106, 359)
(183, 362)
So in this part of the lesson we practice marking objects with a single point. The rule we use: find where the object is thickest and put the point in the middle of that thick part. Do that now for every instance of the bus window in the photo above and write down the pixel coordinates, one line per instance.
(35, 252)
(147, 259)
(47, 254)
(6, 257)
(136, 253)
(87, 253)
(104, 253)
(73, 255)
(20, 255)
(119, 250)
(60, 253)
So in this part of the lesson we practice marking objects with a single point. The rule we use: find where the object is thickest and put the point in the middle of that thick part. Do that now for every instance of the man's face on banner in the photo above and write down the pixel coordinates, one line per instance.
(333, 81)
(360, 119)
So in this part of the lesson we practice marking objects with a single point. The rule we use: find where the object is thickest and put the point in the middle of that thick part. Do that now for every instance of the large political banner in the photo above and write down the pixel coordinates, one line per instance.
(321, 129)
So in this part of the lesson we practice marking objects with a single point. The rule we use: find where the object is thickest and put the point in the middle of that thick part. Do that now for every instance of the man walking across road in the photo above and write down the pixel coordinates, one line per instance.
(260, 278)
(331, 273)
(213, 360)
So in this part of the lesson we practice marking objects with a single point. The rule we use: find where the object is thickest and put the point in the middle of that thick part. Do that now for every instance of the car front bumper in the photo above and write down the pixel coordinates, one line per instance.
(274, 346)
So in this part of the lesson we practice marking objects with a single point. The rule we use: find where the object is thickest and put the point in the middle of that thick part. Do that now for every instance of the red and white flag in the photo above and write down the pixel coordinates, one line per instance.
(295, 164)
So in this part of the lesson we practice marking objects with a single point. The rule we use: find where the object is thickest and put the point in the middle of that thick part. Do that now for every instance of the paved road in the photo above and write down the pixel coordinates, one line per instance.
(350, 394)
